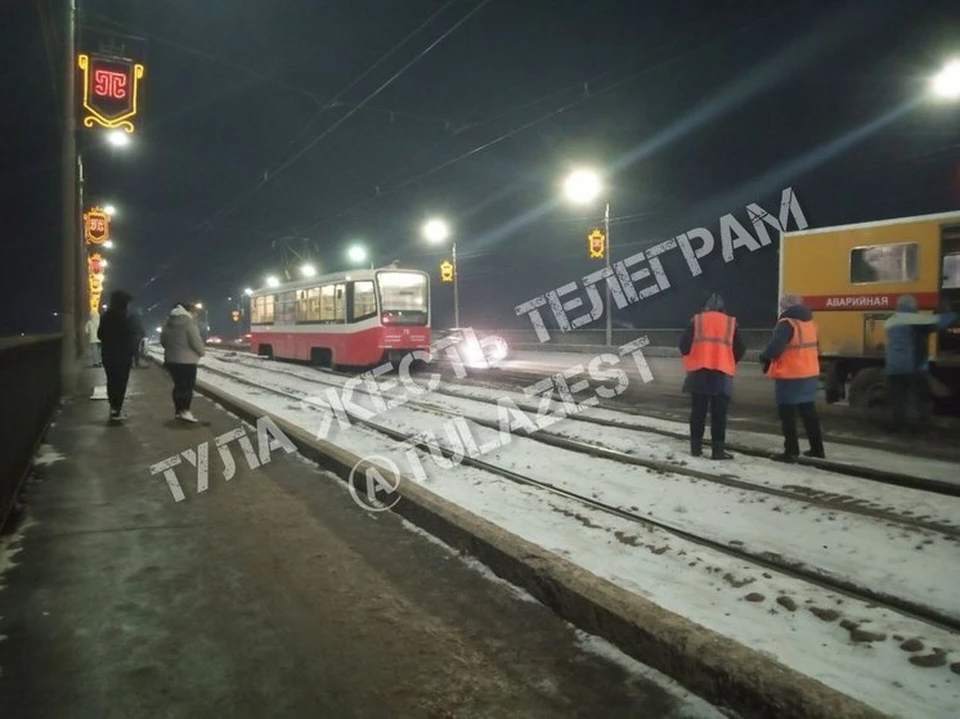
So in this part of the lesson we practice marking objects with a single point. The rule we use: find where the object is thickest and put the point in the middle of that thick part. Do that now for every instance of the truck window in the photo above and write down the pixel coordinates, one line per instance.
(884, 263)
(951, 271)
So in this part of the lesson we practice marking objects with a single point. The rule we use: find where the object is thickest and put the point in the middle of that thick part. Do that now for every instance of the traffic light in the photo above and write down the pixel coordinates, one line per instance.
(446, 271)
(597, 244)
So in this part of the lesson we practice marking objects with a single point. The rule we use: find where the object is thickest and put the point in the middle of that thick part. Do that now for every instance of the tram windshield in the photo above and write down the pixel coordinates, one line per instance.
(403, 298)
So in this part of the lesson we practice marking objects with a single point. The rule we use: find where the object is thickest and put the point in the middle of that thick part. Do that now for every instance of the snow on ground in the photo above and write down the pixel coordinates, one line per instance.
(842, 453)
(845, 643)
(840, 545)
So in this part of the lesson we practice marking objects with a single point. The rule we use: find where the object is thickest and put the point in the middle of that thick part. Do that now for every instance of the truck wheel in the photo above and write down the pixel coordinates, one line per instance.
(868, 389)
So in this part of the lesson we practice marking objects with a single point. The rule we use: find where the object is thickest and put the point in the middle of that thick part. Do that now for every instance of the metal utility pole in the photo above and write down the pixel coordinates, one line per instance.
(68, 290)
(456, 288)
(606, 231)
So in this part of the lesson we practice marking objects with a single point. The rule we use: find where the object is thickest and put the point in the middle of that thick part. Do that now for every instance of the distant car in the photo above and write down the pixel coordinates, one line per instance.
(473, 350)
(214, 341)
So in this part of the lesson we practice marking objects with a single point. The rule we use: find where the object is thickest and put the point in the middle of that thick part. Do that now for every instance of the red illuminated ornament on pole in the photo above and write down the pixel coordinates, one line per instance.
(96, 226)
(110, 91)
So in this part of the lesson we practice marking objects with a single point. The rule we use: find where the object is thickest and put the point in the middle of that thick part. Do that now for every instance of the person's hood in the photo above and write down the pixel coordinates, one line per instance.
(797, 312)
(178, 316)
(714, 303)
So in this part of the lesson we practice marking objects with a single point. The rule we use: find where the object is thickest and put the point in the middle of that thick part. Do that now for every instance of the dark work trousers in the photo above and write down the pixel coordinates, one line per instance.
(184, 378)
(717, 404)
(117, 370)
(901, 389)
(811, 425)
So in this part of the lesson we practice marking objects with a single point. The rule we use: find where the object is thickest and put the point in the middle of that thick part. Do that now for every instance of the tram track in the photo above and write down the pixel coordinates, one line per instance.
(766, 560)
(839, 503)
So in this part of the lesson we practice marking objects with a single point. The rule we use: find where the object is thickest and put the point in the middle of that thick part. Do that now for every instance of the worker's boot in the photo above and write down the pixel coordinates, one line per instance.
(696, 447)
(720, 453)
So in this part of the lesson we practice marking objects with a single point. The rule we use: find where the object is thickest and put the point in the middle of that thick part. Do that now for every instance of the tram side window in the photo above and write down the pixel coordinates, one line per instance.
(287, 309)
(364, 300)
(884, 263)
(341, 296)
(262, 310)
(326, 304)
(303, 307)
(313, 302)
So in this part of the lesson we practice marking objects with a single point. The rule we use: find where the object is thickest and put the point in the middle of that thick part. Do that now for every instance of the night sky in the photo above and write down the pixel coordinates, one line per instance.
(301, 126)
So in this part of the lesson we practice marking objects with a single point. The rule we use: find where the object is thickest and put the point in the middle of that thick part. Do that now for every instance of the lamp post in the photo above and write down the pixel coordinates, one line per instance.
(583, 187)
(357, 254)
(946, 83)
(437, 231)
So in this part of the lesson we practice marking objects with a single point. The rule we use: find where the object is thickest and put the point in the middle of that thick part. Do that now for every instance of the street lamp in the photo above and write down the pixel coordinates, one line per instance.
(437, 231)
(248, 292)
(308, 270)
(357, 254)
(118, 138)
(273, 281)
(583, 187)
(946, 83)
(108, 244)
(110, 210)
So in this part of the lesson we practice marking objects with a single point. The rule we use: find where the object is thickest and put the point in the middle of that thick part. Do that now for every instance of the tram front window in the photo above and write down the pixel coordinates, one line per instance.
(403, 298)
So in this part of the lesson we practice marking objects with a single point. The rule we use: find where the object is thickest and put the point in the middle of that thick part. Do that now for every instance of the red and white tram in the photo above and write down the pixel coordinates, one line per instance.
(352, 319)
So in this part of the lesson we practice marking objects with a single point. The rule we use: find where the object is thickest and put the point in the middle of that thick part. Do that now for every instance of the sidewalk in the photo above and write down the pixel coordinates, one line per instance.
(271, 594)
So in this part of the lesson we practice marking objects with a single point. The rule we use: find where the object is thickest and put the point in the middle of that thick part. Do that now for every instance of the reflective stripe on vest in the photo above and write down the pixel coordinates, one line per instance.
(800, 359)
(712, 346)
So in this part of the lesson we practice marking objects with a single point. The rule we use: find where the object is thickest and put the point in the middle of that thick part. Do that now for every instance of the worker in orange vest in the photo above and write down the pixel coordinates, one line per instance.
(792, 360)
(711, 347)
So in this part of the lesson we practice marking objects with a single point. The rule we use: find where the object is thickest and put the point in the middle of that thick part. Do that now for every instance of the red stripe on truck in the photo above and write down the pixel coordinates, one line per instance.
(878, 301)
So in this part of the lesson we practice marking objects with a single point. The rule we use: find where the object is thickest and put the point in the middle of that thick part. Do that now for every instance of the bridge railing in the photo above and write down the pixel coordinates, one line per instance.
(29, 393)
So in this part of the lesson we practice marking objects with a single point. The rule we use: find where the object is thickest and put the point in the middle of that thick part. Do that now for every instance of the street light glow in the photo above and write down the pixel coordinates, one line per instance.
(108, 244)
(248, 292)
(582, 186)
(103, 263)
(159, 329)
(273, 281)
(110, 210)
(946, 83)
(436, 231)
(308, 270)
(357, 254)
(199, 305)
(118, 138)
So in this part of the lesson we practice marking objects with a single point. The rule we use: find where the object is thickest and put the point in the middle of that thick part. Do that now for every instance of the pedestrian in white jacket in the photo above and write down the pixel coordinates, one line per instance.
(93, 341)
(182, 350)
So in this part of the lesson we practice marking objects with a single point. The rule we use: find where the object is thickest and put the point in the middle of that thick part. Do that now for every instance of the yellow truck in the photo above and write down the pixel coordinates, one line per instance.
(850, 276)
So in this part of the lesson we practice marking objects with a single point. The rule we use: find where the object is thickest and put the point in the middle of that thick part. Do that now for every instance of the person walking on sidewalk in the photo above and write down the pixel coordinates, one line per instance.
(93, 341)
(792, 359)
(182, 350)
(140, 334)
(117, 336)
(711, 347)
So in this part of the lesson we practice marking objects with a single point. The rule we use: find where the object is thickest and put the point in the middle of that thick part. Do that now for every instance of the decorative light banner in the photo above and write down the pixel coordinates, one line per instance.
(95, 279)
(96, 226)
(110, 91)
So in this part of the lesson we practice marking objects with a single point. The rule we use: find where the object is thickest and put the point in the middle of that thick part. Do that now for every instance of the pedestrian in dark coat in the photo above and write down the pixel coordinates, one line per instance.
(117, 335)
(709, 386)
(140, 334)
(792, 361)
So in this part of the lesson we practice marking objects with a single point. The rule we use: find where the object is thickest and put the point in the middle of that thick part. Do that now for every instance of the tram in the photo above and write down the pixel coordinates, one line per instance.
(348, 319)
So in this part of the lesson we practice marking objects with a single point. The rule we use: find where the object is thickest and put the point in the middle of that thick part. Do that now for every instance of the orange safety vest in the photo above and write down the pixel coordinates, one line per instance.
(801, 358)
(712, 346)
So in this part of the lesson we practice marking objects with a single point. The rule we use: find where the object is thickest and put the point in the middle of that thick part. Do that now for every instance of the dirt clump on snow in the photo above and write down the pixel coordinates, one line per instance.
(754, 597)
(787, 603)
(912, 645)
(827, 615)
